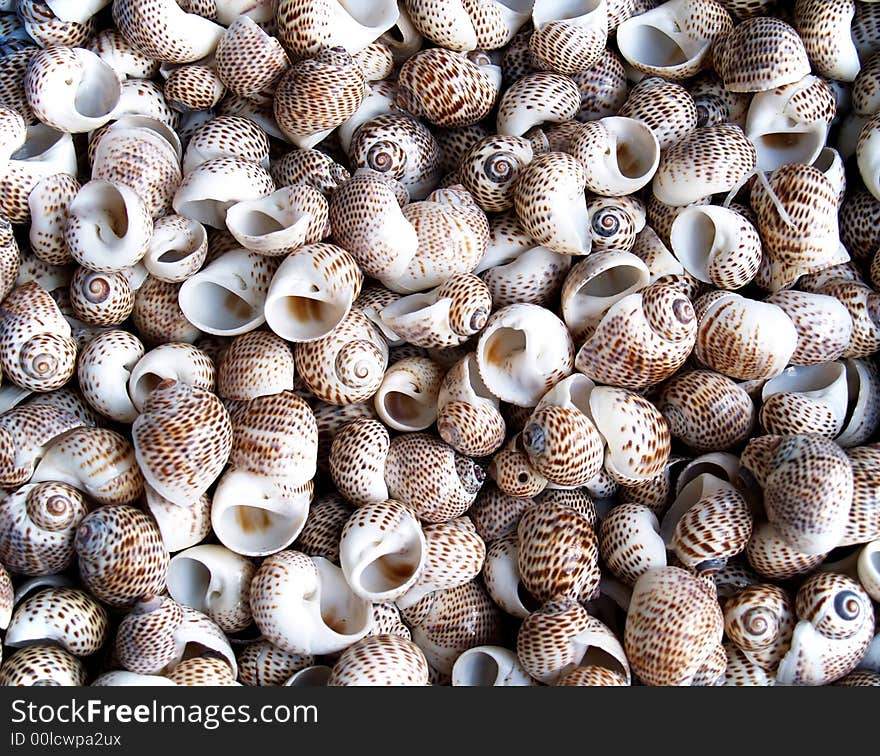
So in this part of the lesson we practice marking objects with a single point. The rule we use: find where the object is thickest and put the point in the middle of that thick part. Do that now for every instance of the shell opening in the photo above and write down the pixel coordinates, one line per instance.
(633, 163)
(655, 47)
(40, 139)
(314, 318)
(99, 91)
(390, 571)
(526, 599)
(694, 241)
(479, 670)
(259, 530)
(341, 609)
(174, 255)
(192, 580)
(781, 147)
(224, 309)
(804, 379)
(259, 223)
(611, 282)
(409, 410)
(504, 345)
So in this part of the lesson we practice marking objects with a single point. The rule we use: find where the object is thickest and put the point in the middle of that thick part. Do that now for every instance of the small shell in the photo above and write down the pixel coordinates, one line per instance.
(513, 472)
(181, 527)
(49, 203)
(357, 461)
(193, 87)
(103, 371)
(42, 664)
(101, 299)
(502, 579)
(809, 399)
(227, 136)
(465, 26)
(255, 364)
(630, 542)
(306, 27)
(760, 620)
(407, 398)
(495, 514)
(434, 479)
(772, 557)
(203, 671)
(124, 58)
(567, 38)
(381, 660)
(537, 98)
(121, 555)
(303, 605)
(667, 108)
(382, 550)
(822, 322)
(603, 87)
(490, 168)
(863, 524)
(321, 534)
(808, 488)
(825, 30)
(308, 167)
(615, 222)
(157, 315)
(262, 664)
(489, 666)
(862, 303)
(673, 626)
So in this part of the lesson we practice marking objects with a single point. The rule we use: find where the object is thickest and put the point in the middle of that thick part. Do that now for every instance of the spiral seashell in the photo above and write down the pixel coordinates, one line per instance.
(673, 626)
(124, 58)
(248, 60)
(809, 512)
(835, 626)
(567, 38)
(318, 613)
(742, 58)
(630, 542)
(101, 299)
(193, 87)
(674, 39)
(65, 616)
(174, 361)
(121, 554)
(760, 621)
(42, 664)
(157, 315)
(863, 524)
(641, 340)
(164, 31)
(825, 29)
(308, 167)
(228, 136)
(743, 338)
(822, 322)
(214, 581)
(257, 363)
(180, 527)
(709, 160)
(407, 398)
(322, 531)
(38, 523)
(602, 86)
(86, 103)
(103, 370)
(772, 557)
(513, 472)
(48, 203)
(227, 297)
(667, 108)
(558, 637)
(708, 523)
(347, 365)
(490, 168)
(534, 99)
(489, 666)
(382, 550)
(262, 664)
(809, 399)
(357, 461)
(502, 579)
(463, 26)
(36, 349)
(306, 28)
(177, 249)
(446, 485)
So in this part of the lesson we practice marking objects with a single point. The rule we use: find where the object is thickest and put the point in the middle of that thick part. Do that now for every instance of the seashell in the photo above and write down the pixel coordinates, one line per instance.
(48, 203)
(568, 38)
(255, 364)
(667, 108)
(121, 554)
(861, 301)
(103, 369)
(308, 167)
(502, 579)
(615, 222)
(743, 338)
(380, 660)
(42, 664)
(560, 636)
(760, 620)
(708, 523)
(157, 315)
(101, 299)
(357, 461)
(513, 472)
(673, 626)
(164, 31)
(202, 671)
(574, 498)
(145, 98)
(315, 676)
(808, 399)
(321, 534)
(533, 277)
(674, 39)
(863, 524)
(85, 103)
(534, 99)
(642, 339)
(181, 527)
(822, 322)
(859, 679)
(603, 87)
(590, 676)
(620, 155)
(826, 33)
(177, 249)
(228, 136)
(214, 581)
(248, 60)
(707, 410)
(66, 616)
(495, 514)
(630, 542)
(809, 513)
(869, 575)
(432, 83)
(637, 439)
(303, 605)
(447, 482)
(111, 46)
(9, 258)
(439, 627)
(227, 297)
(489, 666)
(709, 160)
(158, 633)
(513, 366)
(262, 664)
(463, 26)
(6, 598)
(307, 28)
(835, 626)
(772, 557)
(38, 523)
(209, 190)
(379, 99)
(281, 222)
(181, 440)
(743, 58)
(36, 350)
(304, 107)
(382, 551)
(376, 61)
(490, 168)
(407, 398)
(347, 365)
(193, 87)
(399, 146)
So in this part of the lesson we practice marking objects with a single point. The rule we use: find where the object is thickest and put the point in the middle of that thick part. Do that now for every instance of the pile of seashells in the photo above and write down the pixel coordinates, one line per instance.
(492, 342)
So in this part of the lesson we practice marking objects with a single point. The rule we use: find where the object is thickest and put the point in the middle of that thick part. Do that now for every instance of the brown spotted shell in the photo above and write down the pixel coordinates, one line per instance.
(381, 660)
(760, 620)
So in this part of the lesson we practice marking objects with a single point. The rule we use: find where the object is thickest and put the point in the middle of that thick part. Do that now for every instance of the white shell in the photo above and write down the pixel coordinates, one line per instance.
(174, 361)
(181, 527)
(869, 569)
(483, 666)
(178, 248)
(407, 399)
(103, 370)
(123, 678)
(816, 388)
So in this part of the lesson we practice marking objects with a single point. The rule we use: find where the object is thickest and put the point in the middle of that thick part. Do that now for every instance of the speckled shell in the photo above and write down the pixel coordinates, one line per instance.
(568, 39)
(825, 29)
(42, 664)
(760, 620)
(157, 314)
(807, 399)
(24, 433)
(121, 555)
(346, 366)
(306, 27)
(304, 107)
(808, 488)
(707, 410)
(38, 523)
(36, 350)
(466, 25)
(124, 58)
(822, 322)
(760, 54)
(323, 528)
(862, 303)
(863, 523)
(357, 461)
(255, 364)
(6, 598)
(182, 440)
(771, 557)
(48, 202)
(835, 626)
(490, 168)
(308, 167)
(227, 136)
(248, 60)
(381, 660)
(667, 108)
(203, 671)
(603, 87)
(709, 160)
(489, 666)
(262, 664)
(101, 299)
(193, 87)
(495, 514)
(447, 484)
(407, 398)
(673, 626)
(534, 99)
(630, 542)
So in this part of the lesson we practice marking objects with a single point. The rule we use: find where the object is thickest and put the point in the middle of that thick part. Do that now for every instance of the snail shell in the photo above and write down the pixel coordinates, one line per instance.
(203, 671)
(103, 371)
(193, 87)
(174, 361)
(603, 87)
(101, 299)
(513, 473)
(760, 621)
(255, 364)
(537, 98)
(568, 39)
(49, 203)
(863, 524)
(823, 324)
(807, 399)
(487, 24)
(124, 58)
(862, 303)
(489, 666)
(308, 167)
(615, 222)
(25, 432)
(181, 527)
(322, 532)
(357, 461)
(630, 542)
(306, 28)
(407, 398)
(667, 108)
(121, 555)
(42, 664)
(825, 29)
(495, 514)
(381, 660)
(772, 557)
(228, 136)
(490, 168)
(262, 664)
(157, 315)
(248, 60)
(673, 626)
(502, 579)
